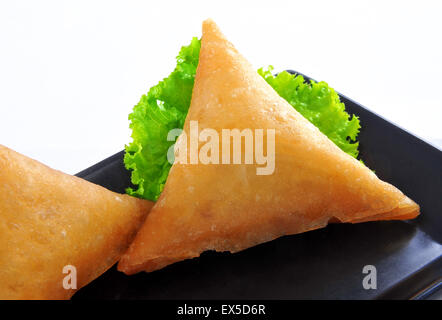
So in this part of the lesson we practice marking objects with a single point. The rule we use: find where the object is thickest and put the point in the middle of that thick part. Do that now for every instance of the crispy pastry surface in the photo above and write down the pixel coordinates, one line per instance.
(49, 219)
(230, 207)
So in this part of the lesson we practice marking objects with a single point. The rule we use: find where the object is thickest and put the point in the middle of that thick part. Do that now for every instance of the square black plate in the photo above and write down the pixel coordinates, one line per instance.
(321, 264)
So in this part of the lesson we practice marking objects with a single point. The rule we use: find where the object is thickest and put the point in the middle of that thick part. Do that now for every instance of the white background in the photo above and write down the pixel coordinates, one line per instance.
(71, 71)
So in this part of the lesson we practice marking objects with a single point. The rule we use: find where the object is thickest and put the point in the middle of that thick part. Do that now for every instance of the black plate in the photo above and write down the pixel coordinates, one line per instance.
(321, 264)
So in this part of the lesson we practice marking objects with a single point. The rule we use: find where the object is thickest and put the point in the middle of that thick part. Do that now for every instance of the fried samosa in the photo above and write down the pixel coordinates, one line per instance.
(51, 222)
(229, 207)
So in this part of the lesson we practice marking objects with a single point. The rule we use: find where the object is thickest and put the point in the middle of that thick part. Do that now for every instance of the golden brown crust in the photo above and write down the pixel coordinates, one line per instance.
(230, 207)
(49, 219)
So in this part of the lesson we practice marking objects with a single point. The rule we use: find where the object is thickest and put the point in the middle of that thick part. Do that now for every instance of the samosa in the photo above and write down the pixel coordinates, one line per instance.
(230, 207)
(58, 232)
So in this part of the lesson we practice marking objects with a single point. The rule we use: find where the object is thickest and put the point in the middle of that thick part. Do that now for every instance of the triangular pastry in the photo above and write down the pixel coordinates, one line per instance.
(51, 222)
(228, 207)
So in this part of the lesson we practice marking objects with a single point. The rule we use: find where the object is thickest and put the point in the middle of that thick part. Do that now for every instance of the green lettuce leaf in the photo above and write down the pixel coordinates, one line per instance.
(320, 104)
(165, 108)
